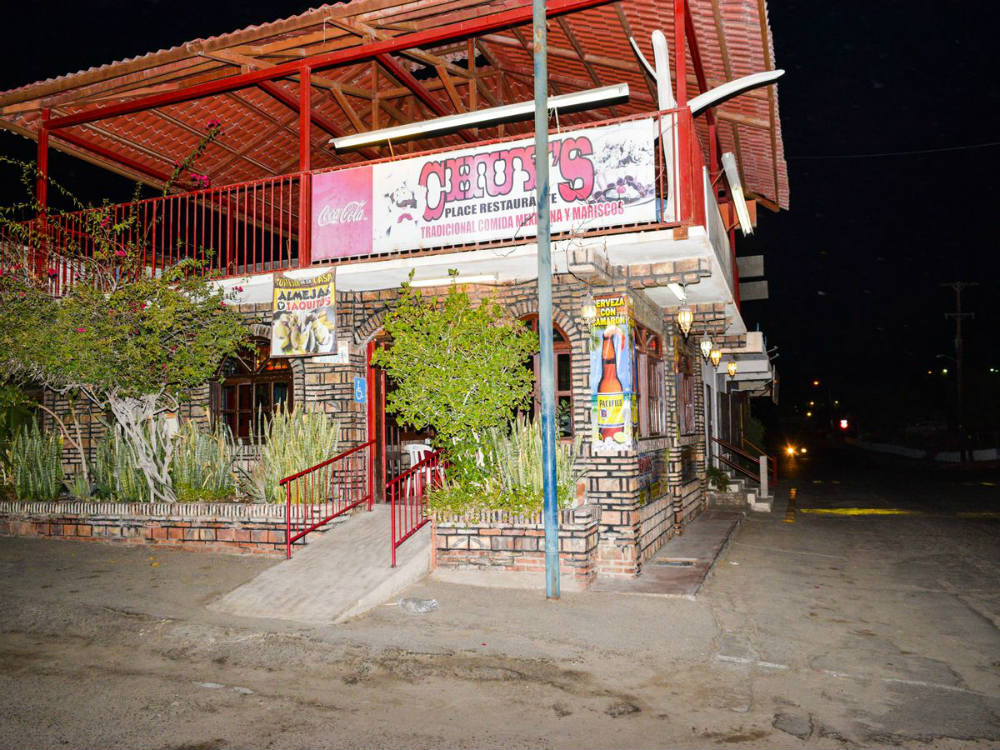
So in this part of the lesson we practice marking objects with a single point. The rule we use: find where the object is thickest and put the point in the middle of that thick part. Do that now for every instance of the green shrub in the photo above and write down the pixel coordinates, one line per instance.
(79, 488)
(292, 441)
(35, 463)
(717, 478)
(116, 473)
(202, 465)
(510, 476)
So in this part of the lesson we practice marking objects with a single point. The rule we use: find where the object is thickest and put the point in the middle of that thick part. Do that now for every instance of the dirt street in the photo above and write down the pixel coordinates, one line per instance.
(815, 630)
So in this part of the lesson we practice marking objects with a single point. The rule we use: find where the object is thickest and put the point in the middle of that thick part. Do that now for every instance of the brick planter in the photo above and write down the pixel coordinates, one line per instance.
(215, 527)
(500, 541)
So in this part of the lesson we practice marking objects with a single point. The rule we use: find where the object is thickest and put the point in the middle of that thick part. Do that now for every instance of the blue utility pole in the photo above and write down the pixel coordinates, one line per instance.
(545, 300)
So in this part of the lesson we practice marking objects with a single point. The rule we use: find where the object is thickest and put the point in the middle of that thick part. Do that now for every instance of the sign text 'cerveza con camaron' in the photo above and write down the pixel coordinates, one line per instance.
(600, 177)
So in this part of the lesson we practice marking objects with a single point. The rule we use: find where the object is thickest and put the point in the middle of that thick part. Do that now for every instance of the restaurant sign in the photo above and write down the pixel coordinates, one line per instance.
(600, 177)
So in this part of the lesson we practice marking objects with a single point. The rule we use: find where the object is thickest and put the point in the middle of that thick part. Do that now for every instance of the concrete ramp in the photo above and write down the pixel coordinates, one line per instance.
(336, 576)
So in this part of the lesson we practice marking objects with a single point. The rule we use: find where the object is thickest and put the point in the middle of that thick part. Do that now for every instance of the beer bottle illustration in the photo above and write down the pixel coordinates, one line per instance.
(610, 394)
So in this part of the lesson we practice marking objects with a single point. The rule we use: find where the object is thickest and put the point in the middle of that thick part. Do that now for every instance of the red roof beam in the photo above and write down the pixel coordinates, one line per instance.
(406, 78)
(106, 153)
(472, 27)
(699, 72)
(317, 118)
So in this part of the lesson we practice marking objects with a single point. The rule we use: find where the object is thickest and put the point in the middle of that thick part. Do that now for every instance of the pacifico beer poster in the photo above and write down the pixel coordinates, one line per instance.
(600, 177)
(304, 321)
(611, 375)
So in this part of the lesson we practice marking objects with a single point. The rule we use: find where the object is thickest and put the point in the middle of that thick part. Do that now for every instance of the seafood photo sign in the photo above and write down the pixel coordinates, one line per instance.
(304, 321)
(600, 177)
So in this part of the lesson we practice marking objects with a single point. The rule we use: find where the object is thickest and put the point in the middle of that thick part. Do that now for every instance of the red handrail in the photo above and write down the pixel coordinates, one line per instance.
(317, 495)
(761, 452)
(408, 495)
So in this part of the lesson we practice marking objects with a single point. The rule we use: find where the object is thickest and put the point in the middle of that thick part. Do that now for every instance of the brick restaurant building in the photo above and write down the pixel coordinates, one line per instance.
(642, 212)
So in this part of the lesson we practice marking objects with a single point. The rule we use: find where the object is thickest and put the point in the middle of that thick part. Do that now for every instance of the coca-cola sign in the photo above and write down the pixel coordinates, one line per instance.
(342, 213)
(351, 212)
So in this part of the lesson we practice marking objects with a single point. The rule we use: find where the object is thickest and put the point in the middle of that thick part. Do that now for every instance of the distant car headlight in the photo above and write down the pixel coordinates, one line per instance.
(790, 450)
(803, 450)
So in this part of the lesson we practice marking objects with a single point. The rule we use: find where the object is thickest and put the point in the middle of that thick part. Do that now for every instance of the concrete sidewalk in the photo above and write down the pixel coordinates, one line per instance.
(341, 574)
(681, 565)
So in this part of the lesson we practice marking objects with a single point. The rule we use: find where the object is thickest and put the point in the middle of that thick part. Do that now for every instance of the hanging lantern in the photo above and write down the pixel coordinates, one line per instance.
(731, 369)
(715, 356)
(685, 317)
(706, 346)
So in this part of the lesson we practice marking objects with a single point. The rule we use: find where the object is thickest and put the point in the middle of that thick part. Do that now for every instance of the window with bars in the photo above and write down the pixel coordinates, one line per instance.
(249, 387)
(649, 383)
(563, 365)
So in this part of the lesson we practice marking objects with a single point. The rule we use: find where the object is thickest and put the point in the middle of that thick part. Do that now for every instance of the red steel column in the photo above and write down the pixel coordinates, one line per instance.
(305, 180)
(684, 124)
(42, 179)
(42, 194)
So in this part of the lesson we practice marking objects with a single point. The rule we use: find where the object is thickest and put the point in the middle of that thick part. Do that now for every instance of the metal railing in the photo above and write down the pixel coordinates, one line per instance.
(407, 494)
(254, 227)
(317, 495)
(236, 230)
(763, 464)
(772, 464)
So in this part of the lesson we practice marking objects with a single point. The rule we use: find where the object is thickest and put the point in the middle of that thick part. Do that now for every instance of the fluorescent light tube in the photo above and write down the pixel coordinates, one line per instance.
(483, 117)
(733, 177)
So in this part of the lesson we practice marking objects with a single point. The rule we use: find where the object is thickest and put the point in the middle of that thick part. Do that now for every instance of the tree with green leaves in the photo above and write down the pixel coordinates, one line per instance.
(131, 341)
(458, 367)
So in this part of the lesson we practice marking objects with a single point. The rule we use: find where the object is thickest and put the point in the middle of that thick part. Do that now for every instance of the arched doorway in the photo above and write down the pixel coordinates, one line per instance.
(391, 438)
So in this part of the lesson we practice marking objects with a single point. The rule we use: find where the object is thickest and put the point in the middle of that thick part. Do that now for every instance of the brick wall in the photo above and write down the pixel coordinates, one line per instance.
(500, 541)
(627, 532)
(215, 527)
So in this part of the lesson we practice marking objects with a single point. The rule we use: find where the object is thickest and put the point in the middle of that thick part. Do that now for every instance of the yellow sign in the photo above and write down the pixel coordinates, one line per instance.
(304, 319)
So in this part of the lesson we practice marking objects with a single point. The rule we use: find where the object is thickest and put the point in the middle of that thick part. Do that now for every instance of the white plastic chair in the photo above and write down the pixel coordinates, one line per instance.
(417, 452)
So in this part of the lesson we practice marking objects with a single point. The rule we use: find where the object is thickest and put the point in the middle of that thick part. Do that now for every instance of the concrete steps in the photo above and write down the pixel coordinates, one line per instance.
(338, 575)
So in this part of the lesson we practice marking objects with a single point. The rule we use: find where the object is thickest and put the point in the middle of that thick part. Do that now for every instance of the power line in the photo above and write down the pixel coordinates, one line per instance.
(915, 152)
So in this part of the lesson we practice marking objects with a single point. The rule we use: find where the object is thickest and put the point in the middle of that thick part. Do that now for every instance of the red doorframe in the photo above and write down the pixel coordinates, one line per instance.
(378, 448)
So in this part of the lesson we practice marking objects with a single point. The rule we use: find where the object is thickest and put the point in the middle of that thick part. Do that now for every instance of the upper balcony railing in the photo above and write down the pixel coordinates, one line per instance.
(257, 227)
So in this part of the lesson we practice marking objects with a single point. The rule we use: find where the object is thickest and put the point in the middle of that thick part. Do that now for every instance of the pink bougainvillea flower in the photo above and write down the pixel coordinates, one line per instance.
(173, 348)
(120, 253)
(106, 221)
(53, 273)
(81, 330)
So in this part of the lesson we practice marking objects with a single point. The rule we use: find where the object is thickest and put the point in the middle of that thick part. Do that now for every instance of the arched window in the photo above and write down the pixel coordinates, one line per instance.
(563, 350)
(250, 383)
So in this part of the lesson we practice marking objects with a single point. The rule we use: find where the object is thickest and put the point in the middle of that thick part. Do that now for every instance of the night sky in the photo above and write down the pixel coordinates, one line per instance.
(891, 125)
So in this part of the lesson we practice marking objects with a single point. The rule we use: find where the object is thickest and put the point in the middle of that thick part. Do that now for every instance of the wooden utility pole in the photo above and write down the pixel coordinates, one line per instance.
(958, 316)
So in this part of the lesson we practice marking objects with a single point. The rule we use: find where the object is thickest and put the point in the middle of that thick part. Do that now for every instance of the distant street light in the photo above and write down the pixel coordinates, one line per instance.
(715, 356)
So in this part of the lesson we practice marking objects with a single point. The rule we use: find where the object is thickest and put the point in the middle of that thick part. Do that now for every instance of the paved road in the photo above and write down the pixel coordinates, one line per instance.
(816, 629)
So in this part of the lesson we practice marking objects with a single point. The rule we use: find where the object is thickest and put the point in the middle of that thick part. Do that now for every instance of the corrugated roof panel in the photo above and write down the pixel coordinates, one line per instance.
(732, 37)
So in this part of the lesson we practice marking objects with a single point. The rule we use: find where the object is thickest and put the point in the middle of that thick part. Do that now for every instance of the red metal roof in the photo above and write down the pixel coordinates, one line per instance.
(260, 135)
